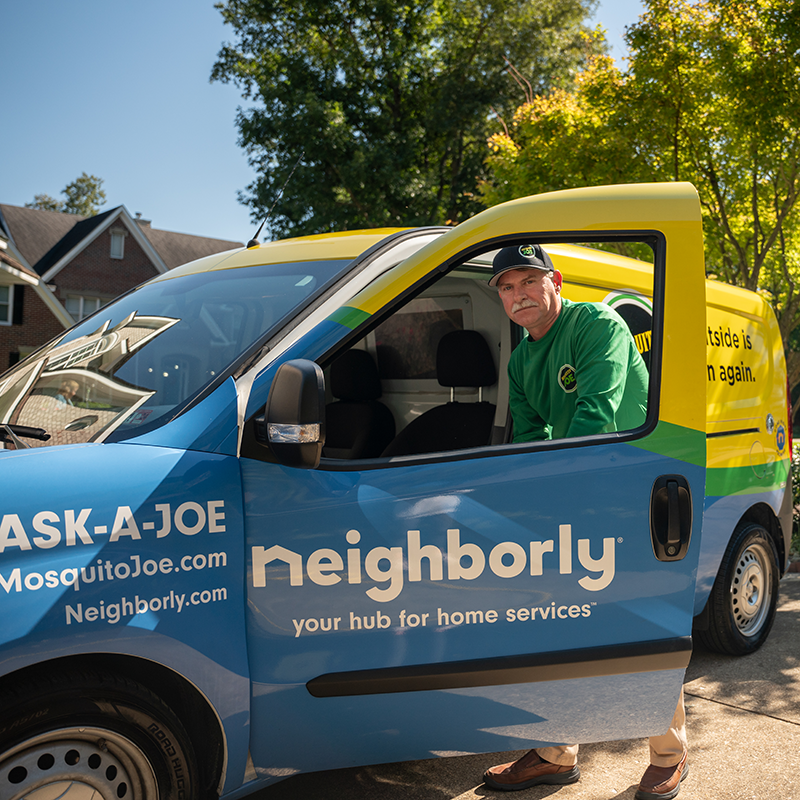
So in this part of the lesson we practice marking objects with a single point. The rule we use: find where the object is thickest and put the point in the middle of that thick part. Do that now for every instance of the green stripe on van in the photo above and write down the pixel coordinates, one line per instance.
(743, 480)
(349, 317)
(676, 441)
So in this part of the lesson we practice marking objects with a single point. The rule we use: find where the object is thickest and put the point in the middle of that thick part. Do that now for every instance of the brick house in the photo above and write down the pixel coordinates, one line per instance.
(56, 269)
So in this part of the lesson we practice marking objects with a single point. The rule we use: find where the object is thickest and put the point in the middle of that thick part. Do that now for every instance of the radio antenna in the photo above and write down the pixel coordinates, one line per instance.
(254, 242)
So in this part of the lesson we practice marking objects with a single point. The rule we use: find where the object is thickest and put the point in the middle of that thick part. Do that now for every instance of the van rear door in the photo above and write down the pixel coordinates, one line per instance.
(495, 597)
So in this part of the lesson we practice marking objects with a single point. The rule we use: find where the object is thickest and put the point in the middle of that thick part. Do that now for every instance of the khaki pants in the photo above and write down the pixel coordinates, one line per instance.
(665, 750)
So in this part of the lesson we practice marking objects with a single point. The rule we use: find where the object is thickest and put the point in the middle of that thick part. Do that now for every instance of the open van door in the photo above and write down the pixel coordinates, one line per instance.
(496, 597)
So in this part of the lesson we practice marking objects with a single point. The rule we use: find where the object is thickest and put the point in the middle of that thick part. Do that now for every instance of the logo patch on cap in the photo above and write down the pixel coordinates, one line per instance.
(567, 379)
(526, 250)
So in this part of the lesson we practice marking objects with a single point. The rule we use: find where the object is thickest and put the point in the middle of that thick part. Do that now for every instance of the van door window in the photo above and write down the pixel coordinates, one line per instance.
(464, 316)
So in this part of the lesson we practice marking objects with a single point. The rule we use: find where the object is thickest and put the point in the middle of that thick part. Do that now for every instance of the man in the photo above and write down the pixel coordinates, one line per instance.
(577, 373)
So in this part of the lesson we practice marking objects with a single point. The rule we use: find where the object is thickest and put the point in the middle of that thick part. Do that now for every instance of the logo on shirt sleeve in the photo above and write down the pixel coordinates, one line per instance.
(567, 379)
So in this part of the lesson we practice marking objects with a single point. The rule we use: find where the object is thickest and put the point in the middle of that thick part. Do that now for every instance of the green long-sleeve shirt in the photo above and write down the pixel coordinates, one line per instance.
(583, 377)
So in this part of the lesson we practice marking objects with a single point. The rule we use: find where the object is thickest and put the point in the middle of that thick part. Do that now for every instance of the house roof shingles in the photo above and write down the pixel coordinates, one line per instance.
(75, 236)
(178, 248)
(36, 232)
(44, 237)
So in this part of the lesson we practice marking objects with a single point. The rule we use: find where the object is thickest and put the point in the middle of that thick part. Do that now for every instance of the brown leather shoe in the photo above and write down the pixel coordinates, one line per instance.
(662, 783)
(530, 770)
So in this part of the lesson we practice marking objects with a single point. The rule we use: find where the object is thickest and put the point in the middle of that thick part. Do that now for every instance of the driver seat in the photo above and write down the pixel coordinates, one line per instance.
(463, 359)
(357, 425)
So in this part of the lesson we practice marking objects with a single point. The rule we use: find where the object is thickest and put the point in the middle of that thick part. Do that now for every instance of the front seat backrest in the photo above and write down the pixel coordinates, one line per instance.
(358, 425)
(463, 359)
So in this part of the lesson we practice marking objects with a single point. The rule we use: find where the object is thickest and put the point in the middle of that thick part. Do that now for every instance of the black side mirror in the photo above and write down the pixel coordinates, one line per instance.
(294, 417)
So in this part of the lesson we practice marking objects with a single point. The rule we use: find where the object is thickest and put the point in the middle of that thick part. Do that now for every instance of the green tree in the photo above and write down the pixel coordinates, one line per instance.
(711, 95)
(83, 196)
(43, 202)
(384, 106)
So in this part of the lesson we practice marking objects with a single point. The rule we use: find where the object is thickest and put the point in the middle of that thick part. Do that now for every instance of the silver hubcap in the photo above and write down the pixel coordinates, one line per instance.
(752, 582)
(77, 764)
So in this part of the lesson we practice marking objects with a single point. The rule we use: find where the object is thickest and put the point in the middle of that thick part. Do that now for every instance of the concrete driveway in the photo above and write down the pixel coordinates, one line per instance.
(743, 718)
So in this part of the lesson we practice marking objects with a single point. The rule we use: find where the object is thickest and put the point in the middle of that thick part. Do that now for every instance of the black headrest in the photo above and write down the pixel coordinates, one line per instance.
(354, 376)
(463, 359)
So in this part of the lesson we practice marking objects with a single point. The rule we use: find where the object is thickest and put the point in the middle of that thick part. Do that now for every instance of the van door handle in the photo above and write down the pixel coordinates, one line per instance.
(670, 517)
(673, 519)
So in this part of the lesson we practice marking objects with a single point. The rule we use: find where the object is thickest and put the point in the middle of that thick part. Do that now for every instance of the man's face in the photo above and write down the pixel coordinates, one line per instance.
(531, 298)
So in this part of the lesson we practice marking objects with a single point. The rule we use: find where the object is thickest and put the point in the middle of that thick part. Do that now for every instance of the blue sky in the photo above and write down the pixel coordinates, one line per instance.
(122, 91)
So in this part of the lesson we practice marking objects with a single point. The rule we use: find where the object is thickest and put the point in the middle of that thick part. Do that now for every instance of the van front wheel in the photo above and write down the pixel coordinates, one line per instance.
(742, 603)
(91, 735)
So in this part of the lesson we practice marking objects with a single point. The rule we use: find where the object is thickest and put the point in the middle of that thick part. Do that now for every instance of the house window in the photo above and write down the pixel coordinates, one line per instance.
(6, 304)
(79, 306)
(117, 244)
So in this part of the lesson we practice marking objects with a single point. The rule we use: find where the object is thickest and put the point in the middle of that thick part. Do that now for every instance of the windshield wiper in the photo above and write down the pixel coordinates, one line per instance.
(11, 433)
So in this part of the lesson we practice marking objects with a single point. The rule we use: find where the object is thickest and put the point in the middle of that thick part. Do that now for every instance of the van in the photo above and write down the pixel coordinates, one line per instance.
(262, 515)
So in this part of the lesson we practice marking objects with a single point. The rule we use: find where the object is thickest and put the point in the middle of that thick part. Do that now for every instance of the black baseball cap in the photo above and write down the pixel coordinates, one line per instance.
(524, 256)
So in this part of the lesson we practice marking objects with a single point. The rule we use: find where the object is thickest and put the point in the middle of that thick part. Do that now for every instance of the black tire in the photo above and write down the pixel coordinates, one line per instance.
(743, 600)
(75, 732)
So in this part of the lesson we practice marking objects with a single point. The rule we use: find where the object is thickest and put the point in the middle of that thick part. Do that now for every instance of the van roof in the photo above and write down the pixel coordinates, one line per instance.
(342, 246)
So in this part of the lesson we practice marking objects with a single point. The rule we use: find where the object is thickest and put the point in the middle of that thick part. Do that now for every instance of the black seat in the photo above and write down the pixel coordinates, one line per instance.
(463, 359)
(357, 425)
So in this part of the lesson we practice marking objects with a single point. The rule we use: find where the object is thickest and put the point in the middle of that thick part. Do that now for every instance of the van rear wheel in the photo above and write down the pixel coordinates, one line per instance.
(742, 603)
(86, 735)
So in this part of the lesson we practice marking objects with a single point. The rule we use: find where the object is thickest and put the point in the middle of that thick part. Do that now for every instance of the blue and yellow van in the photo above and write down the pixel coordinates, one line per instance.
(262, 514)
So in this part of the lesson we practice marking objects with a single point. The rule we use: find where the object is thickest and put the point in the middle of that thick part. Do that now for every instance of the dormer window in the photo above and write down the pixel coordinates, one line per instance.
(118, 243)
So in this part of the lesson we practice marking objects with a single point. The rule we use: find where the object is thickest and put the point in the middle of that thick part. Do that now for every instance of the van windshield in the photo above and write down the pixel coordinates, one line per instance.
(139, 360)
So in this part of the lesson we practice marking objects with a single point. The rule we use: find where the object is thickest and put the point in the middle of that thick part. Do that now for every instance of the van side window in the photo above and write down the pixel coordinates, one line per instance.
(406, 343)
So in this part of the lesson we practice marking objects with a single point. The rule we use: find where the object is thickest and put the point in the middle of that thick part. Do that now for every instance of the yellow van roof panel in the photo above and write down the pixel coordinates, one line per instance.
(319, 247)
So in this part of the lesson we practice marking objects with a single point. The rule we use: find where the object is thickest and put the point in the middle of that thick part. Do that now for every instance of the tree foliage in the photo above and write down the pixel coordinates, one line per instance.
(43, 202)
(384, 104)
(711, 95)
(83, 196)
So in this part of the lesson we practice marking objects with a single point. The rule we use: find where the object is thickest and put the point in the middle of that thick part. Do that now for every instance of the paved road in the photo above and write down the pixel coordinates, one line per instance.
(743, 717)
